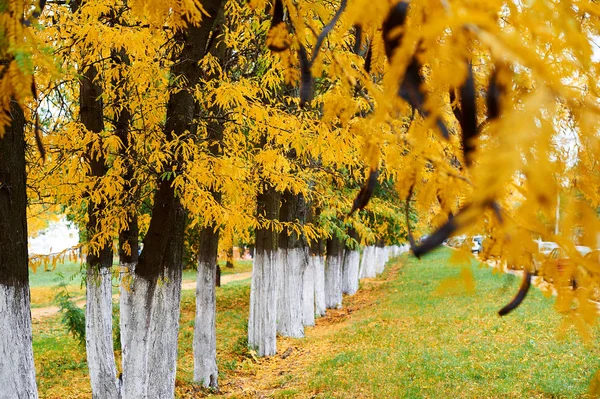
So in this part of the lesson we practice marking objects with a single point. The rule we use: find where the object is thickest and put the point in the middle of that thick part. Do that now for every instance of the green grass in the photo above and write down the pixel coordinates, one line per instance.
(72, 273)
(44, 283)
(418, 342)
(60, 361)
(48, 278)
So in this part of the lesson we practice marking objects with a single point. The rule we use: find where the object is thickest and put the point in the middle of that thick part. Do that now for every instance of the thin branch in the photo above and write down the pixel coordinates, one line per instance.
(326, 31)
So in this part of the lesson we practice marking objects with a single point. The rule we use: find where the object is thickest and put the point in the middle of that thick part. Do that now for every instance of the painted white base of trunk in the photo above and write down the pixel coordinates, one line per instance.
(17, 371)
(290, 310)
(308, 293)
(319, 265)
(149, 328)
(381, 259)
(368, 262)
(333, 281)
(205, 340)
(98, 334)
(393, 251)
(350, 271)
(262, 322)
(398, 250)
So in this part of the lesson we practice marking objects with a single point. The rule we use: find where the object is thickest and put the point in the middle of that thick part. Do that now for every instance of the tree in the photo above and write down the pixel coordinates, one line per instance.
(262, 321)
(17, 373)
(457, 106)
(208, 276)
(152, 311)
(17, 89)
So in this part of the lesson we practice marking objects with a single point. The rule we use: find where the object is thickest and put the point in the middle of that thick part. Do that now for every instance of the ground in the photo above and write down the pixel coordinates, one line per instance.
(416, 331)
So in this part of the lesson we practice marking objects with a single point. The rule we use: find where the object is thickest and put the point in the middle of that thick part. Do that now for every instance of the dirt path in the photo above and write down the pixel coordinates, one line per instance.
(226, 279)
(39, 313)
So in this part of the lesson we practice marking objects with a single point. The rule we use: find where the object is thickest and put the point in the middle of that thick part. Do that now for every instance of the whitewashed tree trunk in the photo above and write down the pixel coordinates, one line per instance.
(205, 341)
(17, 371)
(262, 323)
(333, 273)
(369, 259)
(362, 269)
(290, 309)
(308, 293)
(333, 282)
(98, 334)
(149, 328)
(319, 265)
(380, 265)
(381, 259)
(350, 271)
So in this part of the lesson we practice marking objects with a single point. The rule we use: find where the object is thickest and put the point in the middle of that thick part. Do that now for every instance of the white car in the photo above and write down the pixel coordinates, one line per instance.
(583, 251)
(545, 247)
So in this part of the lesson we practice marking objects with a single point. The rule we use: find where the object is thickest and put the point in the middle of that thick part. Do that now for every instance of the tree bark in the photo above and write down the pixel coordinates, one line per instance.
(229, 261)
(205, 342)
(317, 258)
(333, 273)
(129, 236)
(368, 262)
(17, 371)
(293, 256)
(262, 322)
(350, 266)
(150, 313)
(381, 257)
(209, 273)
(320, 306)
(98, 311)
(308, 293)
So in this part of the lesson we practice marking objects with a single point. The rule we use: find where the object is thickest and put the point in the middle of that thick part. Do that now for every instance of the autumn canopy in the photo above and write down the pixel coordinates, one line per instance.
(306, 127)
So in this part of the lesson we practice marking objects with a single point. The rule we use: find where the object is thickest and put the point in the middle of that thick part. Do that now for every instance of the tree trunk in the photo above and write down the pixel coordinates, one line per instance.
(350, 271)
(205, 341)
(209, 272)
(229, 261)
(98, 332)
(368, 262)
(150, 313)
(333, 273)
(17, 371)
(350, 266)
(98, 311)
(308, 293)
(381, 258)
(317, 258)
(149, 327)
(317, 265)
(262, 322)
(129, 236)
(150, 305)
(320, 306)
(293, 256)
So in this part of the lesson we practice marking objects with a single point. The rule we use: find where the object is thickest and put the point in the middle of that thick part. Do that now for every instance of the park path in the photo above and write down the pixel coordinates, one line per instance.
(39, 313)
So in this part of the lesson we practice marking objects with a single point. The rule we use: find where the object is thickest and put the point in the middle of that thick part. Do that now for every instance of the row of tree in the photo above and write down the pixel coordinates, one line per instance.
(146, 136)
(167, 122)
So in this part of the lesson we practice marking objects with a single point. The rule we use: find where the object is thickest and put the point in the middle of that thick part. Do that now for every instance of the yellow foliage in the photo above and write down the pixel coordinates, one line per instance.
(538, 156)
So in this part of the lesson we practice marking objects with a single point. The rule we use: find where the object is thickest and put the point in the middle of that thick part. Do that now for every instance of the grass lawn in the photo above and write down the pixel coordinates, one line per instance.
(400, 336)
(44, 283)
(416, 341)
